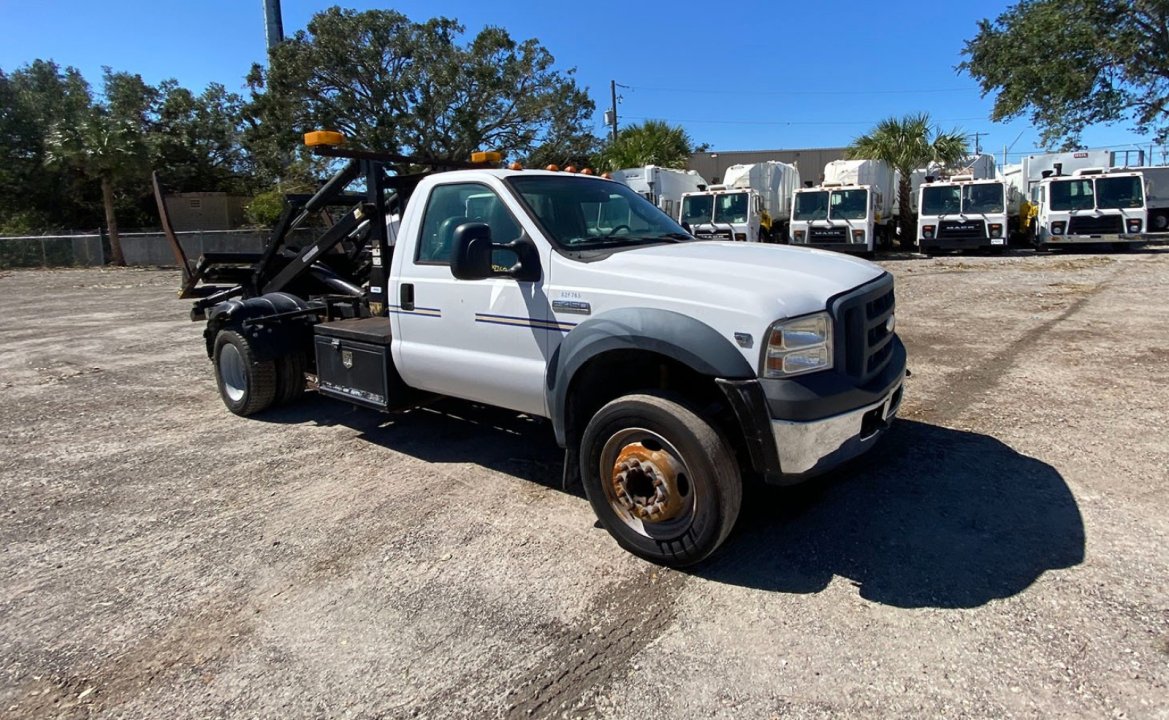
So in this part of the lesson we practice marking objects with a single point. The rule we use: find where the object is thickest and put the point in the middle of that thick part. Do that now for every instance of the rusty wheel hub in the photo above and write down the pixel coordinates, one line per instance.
(645, 483)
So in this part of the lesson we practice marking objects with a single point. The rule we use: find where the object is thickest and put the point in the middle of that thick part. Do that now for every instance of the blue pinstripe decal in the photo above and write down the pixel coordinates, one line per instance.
(515, 321)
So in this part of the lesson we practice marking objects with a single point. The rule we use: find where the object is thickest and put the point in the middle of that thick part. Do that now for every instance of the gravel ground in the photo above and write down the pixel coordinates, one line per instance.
(1003, 552)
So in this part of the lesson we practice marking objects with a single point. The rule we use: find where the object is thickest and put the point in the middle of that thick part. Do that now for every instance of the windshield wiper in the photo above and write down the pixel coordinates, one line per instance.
(611, 240)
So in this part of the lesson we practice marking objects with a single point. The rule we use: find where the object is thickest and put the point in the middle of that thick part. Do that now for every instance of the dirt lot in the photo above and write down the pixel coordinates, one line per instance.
(1004, 552)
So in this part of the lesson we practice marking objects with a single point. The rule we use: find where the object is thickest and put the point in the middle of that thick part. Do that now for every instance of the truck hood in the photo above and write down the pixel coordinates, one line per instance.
(768, 282)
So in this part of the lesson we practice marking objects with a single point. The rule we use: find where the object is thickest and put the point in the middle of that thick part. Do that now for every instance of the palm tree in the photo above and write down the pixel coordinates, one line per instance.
(103, 149)
(654, 142)
(906, 144)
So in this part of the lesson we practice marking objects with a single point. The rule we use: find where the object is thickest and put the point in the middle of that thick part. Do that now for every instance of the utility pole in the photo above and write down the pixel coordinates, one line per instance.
(977, 144)
(613, 116)
(273, 23)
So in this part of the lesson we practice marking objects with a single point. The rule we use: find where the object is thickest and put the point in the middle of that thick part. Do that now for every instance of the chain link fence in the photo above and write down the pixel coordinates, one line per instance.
(52, 251)
(143, 248)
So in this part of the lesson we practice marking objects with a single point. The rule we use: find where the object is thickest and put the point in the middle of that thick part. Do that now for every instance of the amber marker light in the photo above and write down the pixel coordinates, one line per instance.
(323, 137)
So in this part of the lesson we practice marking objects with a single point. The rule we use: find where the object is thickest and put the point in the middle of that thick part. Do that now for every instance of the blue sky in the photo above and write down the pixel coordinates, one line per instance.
(740, 76)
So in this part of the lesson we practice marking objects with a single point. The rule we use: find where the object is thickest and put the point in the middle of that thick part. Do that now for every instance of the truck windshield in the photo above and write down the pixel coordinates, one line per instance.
(987, 198)
(580, 213)
(731, 207)
(849, 204)
(697, 209)
(943, 200)
(1119, 192)
(1072, 195)
(811, 205)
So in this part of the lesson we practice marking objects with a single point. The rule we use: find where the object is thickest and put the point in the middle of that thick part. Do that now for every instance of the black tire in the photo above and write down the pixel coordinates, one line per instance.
(250, 385)
(290, 382)
(695, 511)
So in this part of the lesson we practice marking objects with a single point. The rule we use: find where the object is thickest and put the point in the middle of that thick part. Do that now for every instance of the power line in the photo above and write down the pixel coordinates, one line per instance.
(783, 122)
(754, 91)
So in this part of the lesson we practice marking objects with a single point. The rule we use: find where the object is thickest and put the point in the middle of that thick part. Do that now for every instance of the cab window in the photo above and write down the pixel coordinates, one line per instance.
(450, 206)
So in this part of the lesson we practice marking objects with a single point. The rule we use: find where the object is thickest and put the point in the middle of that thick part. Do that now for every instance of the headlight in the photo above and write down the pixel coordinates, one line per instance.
(798, 236)
(927, 232)
(1134, 225)
(1057, 227)
(798, 346)
(996, 230)
(858, 236)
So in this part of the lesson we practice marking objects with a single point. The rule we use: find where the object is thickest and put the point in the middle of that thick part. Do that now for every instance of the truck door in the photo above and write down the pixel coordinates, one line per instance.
(481, 340)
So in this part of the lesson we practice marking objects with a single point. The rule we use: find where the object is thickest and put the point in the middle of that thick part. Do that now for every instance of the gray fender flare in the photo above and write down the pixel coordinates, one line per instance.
(665, 332)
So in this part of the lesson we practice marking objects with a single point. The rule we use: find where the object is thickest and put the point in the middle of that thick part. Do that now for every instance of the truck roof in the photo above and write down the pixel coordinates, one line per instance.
(962, 181)
(506, 173)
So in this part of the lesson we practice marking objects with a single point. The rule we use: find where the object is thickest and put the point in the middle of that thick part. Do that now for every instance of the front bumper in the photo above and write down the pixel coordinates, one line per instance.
(807, 449)
(854, 248)
(1049, 239)
(960, 243)
(797, 428)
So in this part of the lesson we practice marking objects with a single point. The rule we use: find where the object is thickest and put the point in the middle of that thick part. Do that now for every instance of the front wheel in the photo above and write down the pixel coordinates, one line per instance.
(661, 480)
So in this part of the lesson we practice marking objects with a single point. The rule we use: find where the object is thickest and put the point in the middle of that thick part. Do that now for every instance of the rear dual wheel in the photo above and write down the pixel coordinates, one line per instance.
(660, 478)
(246, 383)
(249, 385)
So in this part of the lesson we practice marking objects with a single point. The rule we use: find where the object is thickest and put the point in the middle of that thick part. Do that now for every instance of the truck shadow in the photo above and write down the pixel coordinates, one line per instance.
(932, 517)
(447, 431)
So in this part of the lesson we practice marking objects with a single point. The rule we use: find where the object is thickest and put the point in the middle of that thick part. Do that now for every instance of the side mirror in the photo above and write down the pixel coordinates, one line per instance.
(475, 257)
(471, 252)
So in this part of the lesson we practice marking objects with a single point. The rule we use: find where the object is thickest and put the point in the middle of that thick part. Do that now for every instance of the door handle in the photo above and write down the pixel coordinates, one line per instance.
(406, 296)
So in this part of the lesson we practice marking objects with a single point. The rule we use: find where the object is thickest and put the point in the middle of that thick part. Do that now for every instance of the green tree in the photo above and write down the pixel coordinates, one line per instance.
(32, 196)
(653, 142)
(104, 149)
(1075, 63)
(195, 140)
(395, 85)
(907, 144)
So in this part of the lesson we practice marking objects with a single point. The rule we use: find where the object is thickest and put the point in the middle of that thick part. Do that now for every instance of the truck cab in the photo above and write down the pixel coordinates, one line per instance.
(722, 213)
(667, 367)
(844, 218)
(1092, 205)
(962, 214)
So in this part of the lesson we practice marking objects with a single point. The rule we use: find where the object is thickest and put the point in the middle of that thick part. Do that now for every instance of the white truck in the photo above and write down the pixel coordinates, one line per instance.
(663, 187)
(752, 204)
(965, 213)
(852, 210)
(1092, 205)
(1156, 197)
(666, 366)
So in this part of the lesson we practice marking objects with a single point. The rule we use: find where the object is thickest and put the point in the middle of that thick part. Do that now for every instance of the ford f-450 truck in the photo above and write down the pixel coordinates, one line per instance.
(668, 367)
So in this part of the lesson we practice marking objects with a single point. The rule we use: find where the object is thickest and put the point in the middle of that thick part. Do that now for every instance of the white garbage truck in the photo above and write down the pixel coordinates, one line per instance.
(852, 210)
(1091, 205)
(1156, 198)
(662, 186)
(752, 204)
(965, 213)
